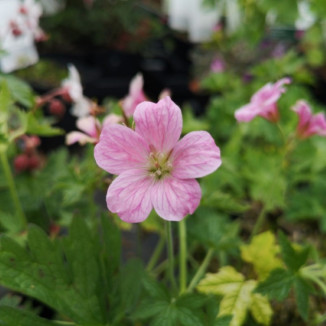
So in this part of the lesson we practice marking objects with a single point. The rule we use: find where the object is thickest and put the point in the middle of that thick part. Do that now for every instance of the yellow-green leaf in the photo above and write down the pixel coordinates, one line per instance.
(225, 281)
(238, 296)
(262, 253)
(237, 302)
(261, 309)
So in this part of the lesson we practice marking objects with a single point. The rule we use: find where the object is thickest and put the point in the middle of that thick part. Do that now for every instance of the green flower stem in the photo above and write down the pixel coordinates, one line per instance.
(59, 322)
(160, 268)
(170, 270)
(281, 132)
(183, 255)
(22, 222)
(156, 254)
(259, 222)
(201, 270)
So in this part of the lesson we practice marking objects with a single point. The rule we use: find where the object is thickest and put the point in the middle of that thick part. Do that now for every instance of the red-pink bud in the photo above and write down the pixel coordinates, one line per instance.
(21, 163)
(23, 10)
(15, 30)
(34, 162)
(57, 108)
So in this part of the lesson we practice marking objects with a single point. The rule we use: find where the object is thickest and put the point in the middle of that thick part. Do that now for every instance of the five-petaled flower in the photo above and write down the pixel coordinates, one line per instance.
(155, 169)
(263, 103)
(309, 124)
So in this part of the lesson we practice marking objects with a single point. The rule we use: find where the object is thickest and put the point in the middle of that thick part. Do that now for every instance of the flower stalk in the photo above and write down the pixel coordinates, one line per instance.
(182, 256)
(170, 269)
(201, 270)
(22, 222)
(156, 254)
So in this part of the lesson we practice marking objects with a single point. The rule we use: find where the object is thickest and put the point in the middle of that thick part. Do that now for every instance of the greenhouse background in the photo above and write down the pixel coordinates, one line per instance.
(163, 162)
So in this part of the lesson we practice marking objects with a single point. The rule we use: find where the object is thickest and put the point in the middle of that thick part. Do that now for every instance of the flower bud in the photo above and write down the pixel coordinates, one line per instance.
(34, 162)
(57, 108)
(21, 163)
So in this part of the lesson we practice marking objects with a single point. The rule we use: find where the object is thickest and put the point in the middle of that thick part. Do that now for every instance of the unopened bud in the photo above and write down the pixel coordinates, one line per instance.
(21, 163)
(57, 108)
(34, 162)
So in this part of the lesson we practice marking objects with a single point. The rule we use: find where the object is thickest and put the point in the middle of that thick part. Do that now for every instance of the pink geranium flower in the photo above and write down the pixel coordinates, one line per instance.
(263, 103)
(91, 128)
(155, 169)
(309, 124)
(136, 95)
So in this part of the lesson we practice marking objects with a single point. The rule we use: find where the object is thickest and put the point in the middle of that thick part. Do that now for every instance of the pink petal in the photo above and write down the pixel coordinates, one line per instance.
(304, 112)
(165, 92)
(136, 84)
(270, 112)
(135, 96)
(282, 81)
(247, 112)
(195, 156)
(318, 124)
(81, 107)
(120, 149)
(270, 93)
(160, 124)
(174, 198)
(112, 118)
(89, 125)
(73, 84)
(129, 196)
(76, 136)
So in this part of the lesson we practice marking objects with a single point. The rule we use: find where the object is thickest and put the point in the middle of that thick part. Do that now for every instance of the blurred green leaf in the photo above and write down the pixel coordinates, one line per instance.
(213, 230)
(277, 285)
(68, 282)
(293, 258)
(21, 91)
(266, 180)
(16, 317)
(41, 128)
(302, 290)
(223, 321)
(5, 99)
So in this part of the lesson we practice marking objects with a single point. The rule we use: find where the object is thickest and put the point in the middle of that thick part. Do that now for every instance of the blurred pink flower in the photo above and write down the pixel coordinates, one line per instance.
(263, 103)
(217, 65)
(136, 95)
(155, 169)
(82, 107)
(71, 88)
(91, 128)
(309, 124)
(72, 84)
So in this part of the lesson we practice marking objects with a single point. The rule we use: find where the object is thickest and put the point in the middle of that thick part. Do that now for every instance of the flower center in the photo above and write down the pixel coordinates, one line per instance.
(159, 165)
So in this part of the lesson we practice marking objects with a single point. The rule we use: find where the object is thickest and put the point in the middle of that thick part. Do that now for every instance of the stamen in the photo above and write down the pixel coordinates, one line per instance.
(159, 165)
